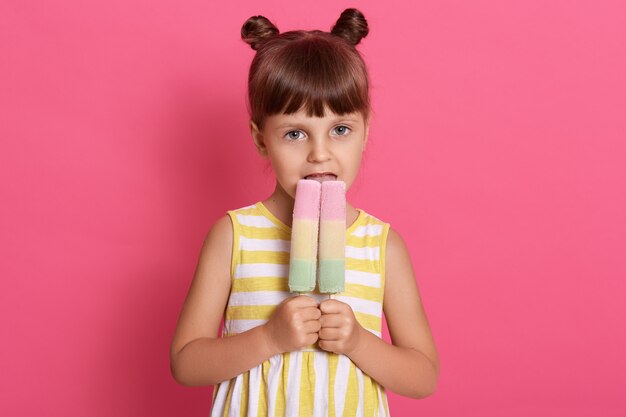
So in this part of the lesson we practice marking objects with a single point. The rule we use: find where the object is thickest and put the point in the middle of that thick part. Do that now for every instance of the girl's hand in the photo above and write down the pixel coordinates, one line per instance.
(340, 331)
(294, 324)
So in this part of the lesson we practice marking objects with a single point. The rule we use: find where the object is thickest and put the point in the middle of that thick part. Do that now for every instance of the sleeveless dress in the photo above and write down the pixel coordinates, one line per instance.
(310, 382)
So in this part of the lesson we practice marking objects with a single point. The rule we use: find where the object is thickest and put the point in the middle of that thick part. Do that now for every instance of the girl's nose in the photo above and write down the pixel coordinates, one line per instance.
(319, 151)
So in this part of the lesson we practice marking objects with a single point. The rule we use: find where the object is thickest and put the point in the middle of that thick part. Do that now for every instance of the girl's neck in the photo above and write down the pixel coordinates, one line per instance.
(281, 205)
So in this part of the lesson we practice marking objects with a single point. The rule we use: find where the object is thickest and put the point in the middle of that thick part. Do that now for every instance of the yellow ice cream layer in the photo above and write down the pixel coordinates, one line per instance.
(304, 239)
(333, 238)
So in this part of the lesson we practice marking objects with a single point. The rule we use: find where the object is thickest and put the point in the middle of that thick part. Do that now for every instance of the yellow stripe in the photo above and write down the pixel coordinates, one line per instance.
(231, 384)
(362, 242)
(383, 251)
(363, 291)
(283, 383)
(215, 388)
(264, 257)
(363, 265)
(235, 249)
(333, 359)
(260, 284)
(368, 321)
(307, 385)
(252, 232)
(263, 390)
(352, 393)
(244, 395)
(249, 312)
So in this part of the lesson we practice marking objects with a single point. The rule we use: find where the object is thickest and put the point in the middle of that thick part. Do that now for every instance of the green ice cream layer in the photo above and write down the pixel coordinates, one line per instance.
(301, 275)
(331, 275)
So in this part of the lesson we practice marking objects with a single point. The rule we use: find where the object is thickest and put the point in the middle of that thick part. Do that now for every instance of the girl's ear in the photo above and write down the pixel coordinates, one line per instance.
(257, 137)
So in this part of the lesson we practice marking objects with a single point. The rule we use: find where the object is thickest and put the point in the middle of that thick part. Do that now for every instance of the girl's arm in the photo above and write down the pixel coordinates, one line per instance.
(197, 355)
(409, 367)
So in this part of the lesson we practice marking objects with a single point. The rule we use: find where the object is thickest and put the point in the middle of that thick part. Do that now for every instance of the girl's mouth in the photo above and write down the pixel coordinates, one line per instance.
(321, 178)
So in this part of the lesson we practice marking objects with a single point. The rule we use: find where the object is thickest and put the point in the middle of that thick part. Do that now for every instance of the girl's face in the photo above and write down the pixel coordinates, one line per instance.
(298, 145)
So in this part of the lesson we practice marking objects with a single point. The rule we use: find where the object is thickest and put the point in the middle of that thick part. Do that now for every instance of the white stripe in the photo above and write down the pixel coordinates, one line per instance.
(258, 298)
(368, 253)
(261, 270)
(217, 409)
(273, 245)
(359, 378)
(364, 278)
(320, 365)
(253, 394)
(385, 402)
(292, 407)
(361, 305)
(255, 221)
(235, 399)
(378, 334)
(341, 383)
(381, 407)
(368, 230)
(318, 297)
(273, 376)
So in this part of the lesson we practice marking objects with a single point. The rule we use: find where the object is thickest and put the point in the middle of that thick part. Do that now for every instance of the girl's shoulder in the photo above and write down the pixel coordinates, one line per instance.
(220, 231)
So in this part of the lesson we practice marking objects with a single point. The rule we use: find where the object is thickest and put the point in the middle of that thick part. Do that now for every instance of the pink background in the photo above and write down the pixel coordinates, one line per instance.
(497, 150)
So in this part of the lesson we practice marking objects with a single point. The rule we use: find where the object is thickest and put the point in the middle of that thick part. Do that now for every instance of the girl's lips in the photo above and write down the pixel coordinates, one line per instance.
(321, 178)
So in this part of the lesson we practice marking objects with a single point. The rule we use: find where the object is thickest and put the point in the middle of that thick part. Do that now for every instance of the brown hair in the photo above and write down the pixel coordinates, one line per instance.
(312, 68)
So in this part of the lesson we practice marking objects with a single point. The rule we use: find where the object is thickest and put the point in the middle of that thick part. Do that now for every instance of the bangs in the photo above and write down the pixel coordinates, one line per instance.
(310, 74)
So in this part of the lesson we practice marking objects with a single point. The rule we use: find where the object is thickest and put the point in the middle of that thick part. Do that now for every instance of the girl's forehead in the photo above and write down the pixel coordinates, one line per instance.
(301, 116)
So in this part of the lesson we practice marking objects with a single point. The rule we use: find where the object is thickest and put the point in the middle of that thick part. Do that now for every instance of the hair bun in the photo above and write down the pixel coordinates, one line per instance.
(257, 30)
(351, 26)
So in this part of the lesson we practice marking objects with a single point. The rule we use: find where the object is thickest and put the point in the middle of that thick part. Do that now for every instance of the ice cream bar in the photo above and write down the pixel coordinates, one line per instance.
(332, 237)
(304, 235)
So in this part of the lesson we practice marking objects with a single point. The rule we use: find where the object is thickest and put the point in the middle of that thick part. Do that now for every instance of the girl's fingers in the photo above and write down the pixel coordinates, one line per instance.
(332, 306)
(312, 326)
(330, 333)
(332, 320)
(312, 313)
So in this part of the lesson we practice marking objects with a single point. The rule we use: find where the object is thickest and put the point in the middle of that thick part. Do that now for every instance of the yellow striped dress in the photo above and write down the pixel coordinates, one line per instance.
(309, 382)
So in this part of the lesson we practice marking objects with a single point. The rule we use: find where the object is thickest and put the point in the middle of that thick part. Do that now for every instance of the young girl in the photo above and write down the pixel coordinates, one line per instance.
(282, 354)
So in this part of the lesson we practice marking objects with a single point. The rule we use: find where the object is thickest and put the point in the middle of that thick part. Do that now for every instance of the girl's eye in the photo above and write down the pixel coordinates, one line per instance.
(342, 130)
(294, 134)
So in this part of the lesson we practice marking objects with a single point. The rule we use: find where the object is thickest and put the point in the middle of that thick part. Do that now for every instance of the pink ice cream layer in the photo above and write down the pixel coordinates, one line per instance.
(307, 204)
(333, 200)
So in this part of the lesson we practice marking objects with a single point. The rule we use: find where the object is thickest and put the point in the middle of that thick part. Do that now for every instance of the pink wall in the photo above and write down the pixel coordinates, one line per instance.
(497, 150)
